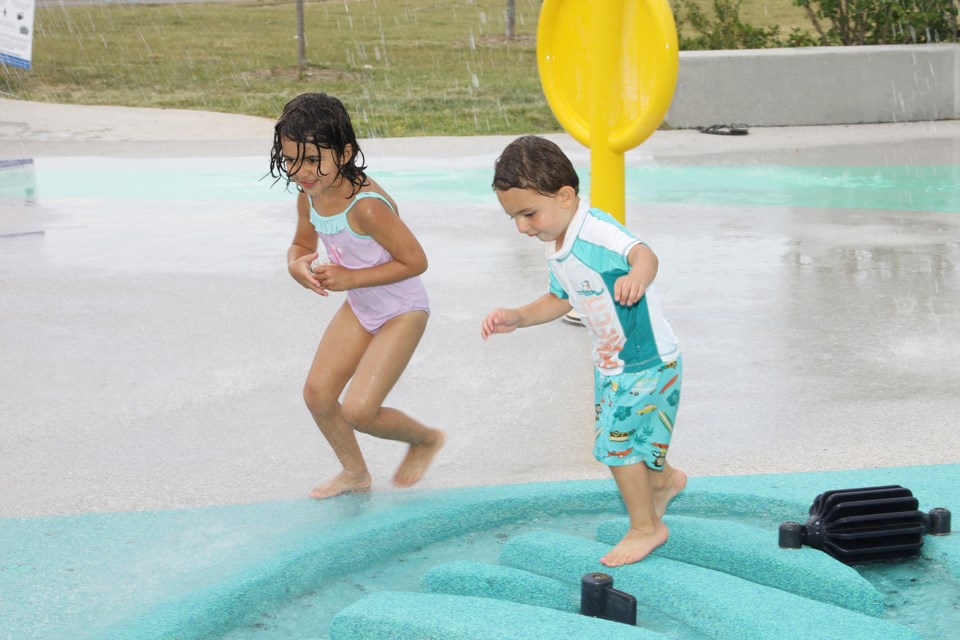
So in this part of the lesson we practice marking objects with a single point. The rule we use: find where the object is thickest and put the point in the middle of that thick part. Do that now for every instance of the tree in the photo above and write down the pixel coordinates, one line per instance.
(858, 22)
(301, 39)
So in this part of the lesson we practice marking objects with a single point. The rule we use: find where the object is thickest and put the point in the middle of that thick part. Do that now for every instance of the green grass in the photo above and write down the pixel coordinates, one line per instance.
(763, 13)
(402, 67)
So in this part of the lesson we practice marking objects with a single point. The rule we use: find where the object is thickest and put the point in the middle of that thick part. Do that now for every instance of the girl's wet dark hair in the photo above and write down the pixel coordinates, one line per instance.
(320, 119)
(531, 162)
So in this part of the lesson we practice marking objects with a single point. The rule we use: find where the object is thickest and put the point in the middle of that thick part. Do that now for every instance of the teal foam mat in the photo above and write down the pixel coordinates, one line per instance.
(205, 573)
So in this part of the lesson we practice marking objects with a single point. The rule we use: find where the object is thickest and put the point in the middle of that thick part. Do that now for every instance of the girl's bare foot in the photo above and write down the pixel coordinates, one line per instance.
(343, 482)
(417, 460)
(674, 484)
(636, 545)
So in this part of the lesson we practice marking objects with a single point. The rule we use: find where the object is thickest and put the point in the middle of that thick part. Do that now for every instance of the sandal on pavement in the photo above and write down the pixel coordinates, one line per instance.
(725, 129)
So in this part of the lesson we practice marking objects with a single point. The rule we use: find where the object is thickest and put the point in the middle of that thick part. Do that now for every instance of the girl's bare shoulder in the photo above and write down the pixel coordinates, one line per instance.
(373, 204)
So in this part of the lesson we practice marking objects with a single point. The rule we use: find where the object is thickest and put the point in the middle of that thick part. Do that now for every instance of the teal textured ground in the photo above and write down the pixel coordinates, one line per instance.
(199, 573)
(929, 188)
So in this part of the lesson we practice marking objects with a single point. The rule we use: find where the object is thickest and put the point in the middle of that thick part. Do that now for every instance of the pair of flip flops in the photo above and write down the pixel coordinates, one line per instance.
(725, 129)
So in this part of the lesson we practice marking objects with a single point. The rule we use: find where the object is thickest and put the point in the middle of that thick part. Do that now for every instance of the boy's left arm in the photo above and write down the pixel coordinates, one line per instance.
(628, 289)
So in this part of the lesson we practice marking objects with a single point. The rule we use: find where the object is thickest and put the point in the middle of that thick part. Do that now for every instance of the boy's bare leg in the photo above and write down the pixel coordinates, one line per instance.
(666, 484)
(646, 531)
(340, 349)
(379, 369)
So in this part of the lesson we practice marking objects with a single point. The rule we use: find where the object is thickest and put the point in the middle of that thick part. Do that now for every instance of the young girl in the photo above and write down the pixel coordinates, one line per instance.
(373, 256)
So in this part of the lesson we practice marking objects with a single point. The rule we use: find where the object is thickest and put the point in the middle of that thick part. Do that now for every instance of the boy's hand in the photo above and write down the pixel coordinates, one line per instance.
(628, 289)
(302, 273)
(500, 321)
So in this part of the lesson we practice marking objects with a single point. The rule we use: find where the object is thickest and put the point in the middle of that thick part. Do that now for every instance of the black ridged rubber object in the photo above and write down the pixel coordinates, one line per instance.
(598, 599)
(868, 524)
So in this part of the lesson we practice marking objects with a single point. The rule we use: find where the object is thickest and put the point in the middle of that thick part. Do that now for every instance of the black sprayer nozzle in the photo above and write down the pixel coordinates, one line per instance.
(868, 524)
(598, 599)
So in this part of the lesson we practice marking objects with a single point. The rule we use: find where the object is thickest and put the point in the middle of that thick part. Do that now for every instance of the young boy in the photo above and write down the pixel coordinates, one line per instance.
(600, 269)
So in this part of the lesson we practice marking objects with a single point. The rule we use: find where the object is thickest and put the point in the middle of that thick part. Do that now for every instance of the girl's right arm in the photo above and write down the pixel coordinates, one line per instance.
(546, 308)
(303, 251)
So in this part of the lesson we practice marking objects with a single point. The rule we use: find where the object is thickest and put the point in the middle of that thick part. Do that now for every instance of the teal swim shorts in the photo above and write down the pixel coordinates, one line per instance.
(635, 413)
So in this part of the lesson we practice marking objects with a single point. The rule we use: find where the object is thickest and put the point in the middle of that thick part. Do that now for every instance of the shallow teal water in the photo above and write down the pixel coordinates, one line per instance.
(309, 616)
(897, 188)
(918, 594)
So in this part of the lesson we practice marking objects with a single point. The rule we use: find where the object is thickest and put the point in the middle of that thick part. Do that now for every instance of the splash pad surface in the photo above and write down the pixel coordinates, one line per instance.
(285, 569)
(155, 440)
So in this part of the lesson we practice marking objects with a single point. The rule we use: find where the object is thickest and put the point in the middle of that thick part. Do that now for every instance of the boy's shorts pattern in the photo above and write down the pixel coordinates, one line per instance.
(635, 413)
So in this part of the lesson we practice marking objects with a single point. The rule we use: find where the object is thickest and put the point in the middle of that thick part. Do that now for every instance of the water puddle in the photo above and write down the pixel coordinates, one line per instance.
(917, 594)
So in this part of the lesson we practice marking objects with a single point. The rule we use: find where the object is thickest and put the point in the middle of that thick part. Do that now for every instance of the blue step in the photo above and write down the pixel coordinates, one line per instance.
(717, 604)
(753, 554)
(403, 615)
(465, 578)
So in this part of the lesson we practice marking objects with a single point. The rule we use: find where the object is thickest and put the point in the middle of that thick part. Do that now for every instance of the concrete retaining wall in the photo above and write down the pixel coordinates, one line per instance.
(817, 85)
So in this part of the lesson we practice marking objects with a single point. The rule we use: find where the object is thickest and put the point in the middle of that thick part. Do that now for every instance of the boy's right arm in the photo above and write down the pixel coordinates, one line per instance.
(303, 250)
(546, 308)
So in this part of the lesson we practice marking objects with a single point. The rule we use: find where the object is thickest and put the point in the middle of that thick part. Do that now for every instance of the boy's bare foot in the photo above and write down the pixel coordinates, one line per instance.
(343, 482)
(636, 546)
(662, 496)
(417, 460)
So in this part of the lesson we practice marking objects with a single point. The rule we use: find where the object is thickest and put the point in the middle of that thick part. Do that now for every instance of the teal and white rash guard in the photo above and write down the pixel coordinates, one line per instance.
(584, 270)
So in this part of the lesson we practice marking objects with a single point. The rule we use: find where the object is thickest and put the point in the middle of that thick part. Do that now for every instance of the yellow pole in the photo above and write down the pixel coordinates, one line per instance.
(608, 70)
(607, 179)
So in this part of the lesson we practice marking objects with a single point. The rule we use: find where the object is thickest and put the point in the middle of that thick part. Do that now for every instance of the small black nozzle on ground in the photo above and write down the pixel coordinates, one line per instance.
(937, 521)
(598, 599)
(791, 535)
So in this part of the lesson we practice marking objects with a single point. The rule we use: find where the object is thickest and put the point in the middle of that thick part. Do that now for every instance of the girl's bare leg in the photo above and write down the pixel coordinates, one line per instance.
(646, 532)
(379, 369)
(341, 347)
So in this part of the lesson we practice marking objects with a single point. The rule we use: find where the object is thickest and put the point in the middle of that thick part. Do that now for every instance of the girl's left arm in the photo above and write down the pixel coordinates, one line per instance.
(628, 289)
(374, 218)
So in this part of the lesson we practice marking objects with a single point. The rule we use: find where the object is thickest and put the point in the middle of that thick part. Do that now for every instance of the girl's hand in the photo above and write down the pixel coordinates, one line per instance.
(500, 321)
(628, 289)
(301, 272)
(333, 277)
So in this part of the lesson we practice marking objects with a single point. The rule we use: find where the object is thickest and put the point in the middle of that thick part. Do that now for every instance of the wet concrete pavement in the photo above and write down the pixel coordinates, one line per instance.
(153, 349)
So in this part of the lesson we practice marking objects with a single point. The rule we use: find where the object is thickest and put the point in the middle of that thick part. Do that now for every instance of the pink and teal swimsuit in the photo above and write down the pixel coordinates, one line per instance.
(373, 306)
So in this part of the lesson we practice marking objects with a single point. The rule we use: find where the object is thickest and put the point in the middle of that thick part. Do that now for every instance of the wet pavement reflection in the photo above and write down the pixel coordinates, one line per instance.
(154, 347)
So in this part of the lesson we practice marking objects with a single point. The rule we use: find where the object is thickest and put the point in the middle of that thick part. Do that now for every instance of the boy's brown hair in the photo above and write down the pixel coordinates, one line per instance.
(531, 162)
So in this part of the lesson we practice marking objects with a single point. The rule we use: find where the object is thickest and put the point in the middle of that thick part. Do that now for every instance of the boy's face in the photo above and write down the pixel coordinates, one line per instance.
(536, 215)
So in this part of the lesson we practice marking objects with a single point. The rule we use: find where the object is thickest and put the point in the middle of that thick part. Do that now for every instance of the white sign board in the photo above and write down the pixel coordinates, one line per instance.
(16, 32)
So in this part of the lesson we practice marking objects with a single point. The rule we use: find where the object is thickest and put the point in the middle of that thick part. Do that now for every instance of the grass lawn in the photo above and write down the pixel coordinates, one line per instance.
(402, 67)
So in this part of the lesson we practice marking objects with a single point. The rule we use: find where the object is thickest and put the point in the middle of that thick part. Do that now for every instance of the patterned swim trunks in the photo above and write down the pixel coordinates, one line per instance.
(635, 413)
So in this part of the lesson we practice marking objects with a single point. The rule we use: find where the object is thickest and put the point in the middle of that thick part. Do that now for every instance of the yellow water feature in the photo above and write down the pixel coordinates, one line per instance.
(608, 70)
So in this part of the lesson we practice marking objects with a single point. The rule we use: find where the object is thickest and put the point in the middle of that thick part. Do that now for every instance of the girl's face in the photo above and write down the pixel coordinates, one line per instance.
(313, 168)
